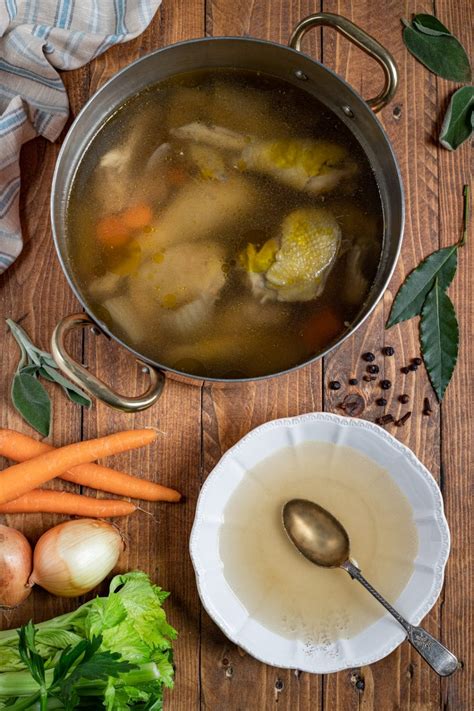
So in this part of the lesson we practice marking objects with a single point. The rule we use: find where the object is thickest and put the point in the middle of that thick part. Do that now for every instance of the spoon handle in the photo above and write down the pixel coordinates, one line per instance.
(438, 657)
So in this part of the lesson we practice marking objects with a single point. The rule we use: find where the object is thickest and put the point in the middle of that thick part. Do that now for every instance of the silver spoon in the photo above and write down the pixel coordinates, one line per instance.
(322, 539)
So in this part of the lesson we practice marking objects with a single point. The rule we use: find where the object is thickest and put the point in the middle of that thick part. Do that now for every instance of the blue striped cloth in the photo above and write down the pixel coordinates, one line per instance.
(38, 37)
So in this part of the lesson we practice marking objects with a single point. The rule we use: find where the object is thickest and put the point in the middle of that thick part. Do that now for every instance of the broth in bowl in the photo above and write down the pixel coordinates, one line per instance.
(280, 588)
(225, 224)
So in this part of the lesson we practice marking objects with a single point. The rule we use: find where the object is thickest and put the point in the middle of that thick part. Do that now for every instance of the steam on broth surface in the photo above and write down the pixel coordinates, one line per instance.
(225, 224)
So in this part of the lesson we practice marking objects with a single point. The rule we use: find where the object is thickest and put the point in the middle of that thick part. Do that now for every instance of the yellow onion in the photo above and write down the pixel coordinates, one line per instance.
(15, 567)
(74, 557)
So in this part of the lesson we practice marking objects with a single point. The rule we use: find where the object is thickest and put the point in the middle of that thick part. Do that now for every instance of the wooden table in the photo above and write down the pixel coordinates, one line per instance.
(202, 422)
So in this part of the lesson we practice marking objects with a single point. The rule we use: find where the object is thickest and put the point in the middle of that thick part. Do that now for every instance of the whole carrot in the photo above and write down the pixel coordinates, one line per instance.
(20, 447)
(62, 502)
(21, 478)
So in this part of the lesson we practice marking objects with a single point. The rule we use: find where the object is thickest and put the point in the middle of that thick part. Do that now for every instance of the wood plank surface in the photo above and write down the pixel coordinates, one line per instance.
(457, 604)
(401, 680)
(201, 422)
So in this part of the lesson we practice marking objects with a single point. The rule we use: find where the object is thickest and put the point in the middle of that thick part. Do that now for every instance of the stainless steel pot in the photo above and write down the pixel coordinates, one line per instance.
(289, 64)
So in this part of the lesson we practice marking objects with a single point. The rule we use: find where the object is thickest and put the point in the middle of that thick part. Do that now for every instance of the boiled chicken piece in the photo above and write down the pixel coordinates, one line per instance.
(199, 210)
(208, 161)
(125, 319)
(177, 288)
(315, 167)
(215, 136)
(104, 286)
(156, 160)
(362, 234)
(312, 166)
(356, 283)
(127, 172)
(294, 267)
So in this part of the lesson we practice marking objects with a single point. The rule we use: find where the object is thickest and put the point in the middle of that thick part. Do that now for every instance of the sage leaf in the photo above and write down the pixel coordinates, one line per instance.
(458, 122)
(411, 295)
(44, 374)
(73, 392)
(79, 398)
(32, 402)
(442, 54)
(33, 363)
(31, 369)
(439, 337)
(430, 25)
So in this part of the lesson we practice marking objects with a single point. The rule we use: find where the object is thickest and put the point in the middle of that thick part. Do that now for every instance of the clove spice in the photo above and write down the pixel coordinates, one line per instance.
(384, 419)
(353, 405)
(427, 407)
(402, 420)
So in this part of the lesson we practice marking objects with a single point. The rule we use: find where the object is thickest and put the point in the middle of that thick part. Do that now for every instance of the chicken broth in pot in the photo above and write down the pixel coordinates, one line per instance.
(225, 224)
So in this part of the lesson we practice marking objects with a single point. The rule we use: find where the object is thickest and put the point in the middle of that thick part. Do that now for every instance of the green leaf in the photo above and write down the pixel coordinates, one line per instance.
(32, 402)
(32, 369)
(412, 293)
(439, 337)
(29, 654)
(430, 25)
(442, 54)
(73, 392)
(42, 363)
(458, 122)
(67, 659)
(35, 354)
(94, 666)
(106, 613)
(44, 374)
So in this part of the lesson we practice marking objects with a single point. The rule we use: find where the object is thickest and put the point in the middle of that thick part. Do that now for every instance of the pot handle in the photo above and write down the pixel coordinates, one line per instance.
(93, 385)
(360, 38)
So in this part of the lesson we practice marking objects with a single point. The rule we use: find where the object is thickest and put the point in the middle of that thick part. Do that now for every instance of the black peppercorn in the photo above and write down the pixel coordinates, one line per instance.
(385, 384)
(404, 370)
(388, 351)
(353, 381)
(373, 369)
(403, 399)
(381, 401)
(369, 357)
(334, 385)
(416, 361)
(413, 366)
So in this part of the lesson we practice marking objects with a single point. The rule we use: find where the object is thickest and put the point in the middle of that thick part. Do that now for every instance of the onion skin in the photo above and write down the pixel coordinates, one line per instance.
(73, 557)
(15, 567)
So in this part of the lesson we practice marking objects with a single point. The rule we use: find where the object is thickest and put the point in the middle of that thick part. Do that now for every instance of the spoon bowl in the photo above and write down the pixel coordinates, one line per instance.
(316, 533)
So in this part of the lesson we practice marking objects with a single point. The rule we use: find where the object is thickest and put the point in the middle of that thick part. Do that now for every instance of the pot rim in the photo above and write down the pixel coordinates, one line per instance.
(356, 323)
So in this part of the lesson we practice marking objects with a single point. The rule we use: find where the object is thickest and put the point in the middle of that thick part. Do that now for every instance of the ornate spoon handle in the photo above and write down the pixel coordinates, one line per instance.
(438, 657)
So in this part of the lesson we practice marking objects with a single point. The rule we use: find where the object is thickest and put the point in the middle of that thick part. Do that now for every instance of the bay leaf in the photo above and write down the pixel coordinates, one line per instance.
(429, 25)
(411, 295)
(32, 402)
(443, 54)
(458, 122)
(439, 338)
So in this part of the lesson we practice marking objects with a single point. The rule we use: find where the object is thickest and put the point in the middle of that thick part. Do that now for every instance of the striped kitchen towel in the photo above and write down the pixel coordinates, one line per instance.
(38, 37)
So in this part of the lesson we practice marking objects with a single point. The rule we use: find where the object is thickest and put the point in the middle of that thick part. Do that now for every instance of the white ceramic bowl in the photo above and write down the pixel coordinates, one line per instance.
(417, 598)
